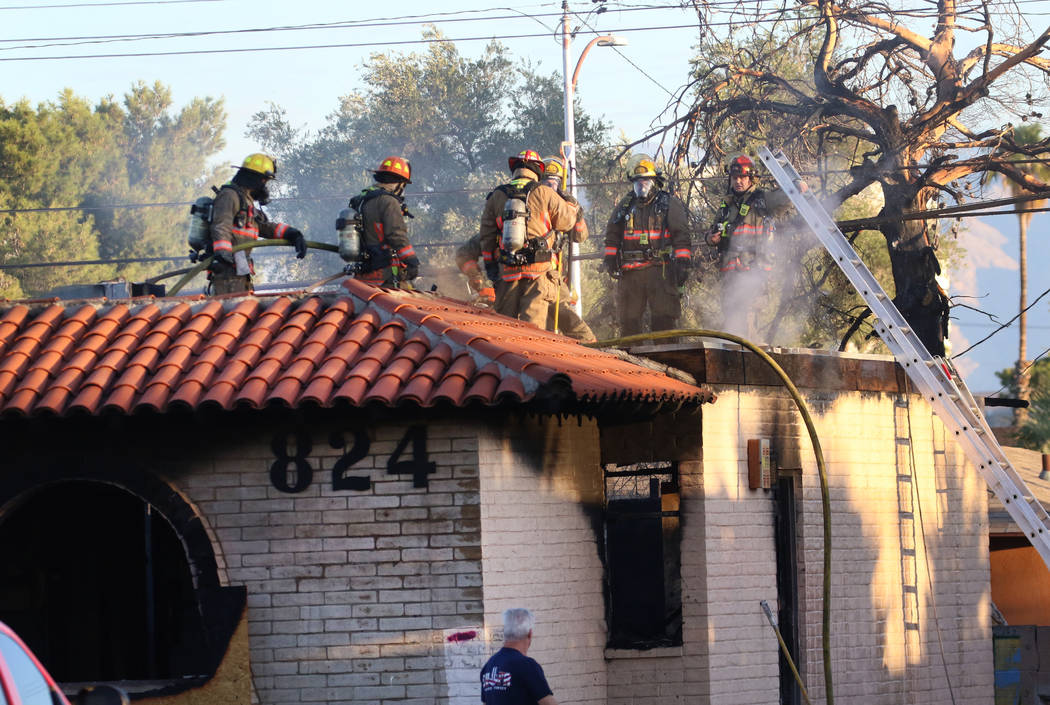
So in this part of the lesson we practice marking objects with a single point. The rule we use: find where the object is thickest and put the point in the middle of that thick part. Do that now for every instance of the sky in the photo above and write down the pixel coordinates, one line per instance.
(308, 82)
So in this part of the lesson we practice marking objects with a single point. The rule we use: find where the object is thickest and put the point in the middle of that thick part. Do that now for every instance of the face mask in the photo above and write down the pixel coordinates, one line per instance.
(262, 195)
(642, 187)
(554, 182)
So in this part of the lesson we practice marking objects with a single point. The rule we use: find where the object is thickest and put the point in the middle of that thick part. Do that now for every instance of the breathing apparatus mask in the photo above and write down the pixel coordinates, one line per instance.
(643, 187)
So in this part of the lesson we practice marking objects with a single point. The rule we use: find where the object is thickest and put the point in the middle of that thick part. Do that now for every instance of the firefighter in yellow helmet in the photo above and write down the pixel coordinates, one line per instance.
(648, 248)
(388, 257)
(563, 317)
(236, 219)
(518, 226)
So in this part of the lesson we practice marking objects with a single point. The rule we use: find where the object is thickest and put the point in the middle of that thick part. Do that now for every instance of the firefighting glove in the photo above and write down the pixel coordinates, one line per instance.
(298, 239)
(612, 266)
(492, 271)
(487, 295)
(714, 235)
(411, 267)
(682, 265)
(222, 262)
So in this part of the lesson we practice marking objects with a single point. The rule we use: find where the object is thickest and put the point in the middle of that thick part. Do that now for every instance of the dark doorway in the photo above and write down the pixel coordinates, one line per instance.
(643, 555)
(97, 583)
(787, 584)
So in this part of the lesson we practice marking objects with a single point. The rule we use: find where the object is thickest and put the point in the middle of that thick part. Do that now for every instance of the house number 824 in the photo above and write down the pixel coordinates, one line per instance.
(291, 472)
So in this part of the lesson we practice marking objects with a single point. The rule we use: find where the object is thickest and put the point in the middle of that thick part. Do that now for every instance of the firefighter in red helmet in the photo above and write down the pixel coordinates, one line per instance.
(518, 231)
(235, 219)
(387, 257)
(648, 248)
(743, 234)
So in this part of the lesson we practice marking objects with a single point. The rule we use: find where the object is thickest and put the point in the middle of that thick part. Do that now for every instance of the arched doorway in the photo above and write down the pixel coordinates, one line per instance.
(96, 580)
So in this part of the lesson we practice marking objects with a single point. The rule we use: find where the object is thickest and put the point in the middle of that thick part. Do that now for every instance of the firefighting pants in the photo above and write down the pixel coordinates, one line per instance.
(653, 288)
(569, 323)
(528, 299)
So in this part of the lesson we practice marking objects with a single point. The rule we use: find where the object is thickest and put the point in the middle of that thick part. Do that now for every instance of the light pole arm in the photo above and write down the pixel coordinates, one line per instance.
(583, 55)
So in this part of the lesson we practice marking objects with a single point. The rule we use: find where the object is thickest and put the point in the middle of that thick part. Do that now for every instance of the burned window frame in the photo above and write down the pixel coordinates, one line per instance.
(642, 549)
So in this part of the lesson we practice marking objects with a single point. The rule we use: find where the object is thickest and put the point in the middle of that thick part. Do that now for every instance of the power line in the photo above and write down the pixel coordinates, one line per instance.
(435, 18)
(973, 209)
(104, 4)
(399, 42)
(1003, 326)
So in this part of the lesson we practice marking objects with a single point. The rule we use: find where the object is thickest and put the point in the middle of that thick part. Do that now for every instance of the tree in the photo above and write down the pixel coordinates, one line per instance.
(63, 161)
(922, 118)
(455, 118)
(164, 160)
(1025, 135)
(49, 157)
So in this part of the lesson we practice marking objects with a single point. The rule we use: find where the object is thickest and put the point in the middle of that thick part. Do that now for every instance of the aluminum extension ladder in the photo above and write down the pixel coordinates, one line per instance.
(934, 377)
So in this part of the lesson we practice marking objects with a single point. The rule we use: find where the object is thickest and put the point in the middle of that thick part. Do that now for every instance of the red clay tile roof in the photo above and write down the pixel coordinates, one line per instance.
(367, 346)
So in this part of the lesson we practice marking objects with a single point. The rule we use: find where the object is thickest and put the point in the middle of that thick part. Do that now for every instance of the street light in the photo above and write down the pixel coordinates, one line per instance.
(569, 146)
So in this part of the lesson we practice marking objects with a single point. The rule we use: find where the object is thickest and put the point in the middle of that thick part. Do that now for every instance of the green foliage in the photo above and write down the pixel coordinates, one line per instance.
(67, 153)
(455, 118)
(1034, 433)
(1039, 375)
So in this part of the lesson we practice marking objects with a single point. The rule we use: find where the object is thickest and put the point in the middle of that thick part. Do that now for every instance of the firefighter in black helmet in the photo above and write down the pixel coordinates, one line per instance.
(390, 258)
(743, 233)
(236, 219)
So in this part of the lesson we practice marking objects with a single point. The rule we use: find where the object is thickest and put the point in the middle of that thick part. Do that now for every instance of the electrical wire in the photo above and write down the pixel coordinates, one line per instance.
(343, 24)
(1003, 326)
(966, 210)
(104, 4)
(270, 49)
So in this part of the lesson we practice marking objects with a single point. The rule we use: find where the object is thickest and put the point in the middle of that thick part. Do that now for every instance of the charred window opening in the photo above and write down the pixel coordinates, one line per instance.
(643, 555)
(98, 586)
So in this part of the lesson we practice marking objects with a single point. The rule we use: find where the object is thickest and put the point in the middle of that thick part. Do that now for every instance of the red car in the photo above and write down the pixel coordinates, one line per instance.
(23, 681)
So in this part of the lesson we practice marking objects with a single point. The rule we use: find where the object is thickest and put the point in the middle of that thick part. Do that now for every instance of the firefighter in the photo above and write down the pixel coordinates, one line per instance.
(518, 226)
(388, 256)
(235, 219)
(649, 250)
(563, 317)
(467, 256)
(743, 233)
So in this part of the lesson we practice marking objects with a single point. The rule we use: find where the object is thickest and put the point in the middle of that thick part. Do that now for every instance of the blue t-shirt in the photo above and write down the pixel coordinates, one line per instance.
(512, 678)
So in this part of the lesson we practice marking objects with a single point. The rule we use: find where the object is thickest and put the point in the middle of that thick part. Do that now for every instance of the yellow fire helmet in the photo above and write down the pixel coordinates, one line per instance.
(553, 166)
(641, 166)
(261, 164)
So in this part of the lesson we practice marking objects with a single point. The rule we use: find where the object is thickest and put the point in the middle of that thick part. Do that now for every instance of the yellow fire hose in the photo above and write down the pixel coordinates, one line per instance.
(557, 296)
(825, 501)
(204, 263)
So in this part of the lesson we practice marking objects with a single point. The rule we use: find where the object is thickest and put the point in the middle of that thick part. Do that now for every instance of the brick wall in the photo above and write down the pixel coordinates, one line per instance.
(540, 490)
(350, 592)
(889, 625)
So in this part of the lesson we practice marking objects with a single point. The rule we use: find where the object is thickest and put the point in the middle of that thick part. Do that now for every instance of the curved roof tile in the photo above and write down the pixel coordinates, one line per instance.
(364, 346)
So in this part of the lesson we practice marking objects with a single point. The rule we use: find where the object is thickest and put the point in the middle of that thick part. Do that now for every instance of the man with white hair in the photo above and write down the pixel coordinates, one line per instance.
(510, 677)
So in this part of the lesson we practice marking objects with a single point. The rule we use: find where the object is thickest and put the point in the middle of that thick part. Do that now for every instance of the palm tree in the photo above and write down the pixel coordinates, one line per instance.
(1024, 135)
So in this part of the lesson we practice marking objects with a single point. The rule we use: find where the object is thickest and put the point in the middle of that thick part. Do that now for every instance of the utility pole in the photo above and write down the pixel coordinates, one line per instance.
(568, 148)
